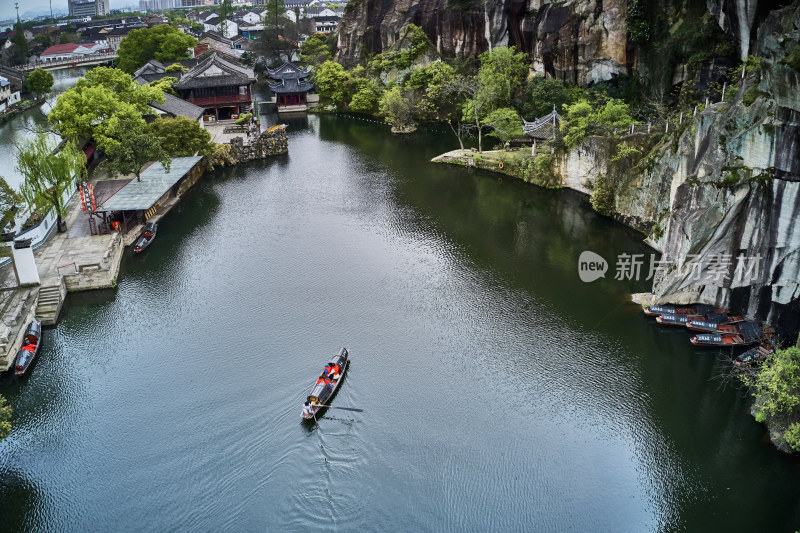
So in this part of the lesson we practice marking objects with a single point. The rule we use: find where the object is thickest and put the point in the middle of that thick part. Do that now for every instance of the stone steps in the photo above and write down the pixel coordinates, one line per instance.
(49, 305)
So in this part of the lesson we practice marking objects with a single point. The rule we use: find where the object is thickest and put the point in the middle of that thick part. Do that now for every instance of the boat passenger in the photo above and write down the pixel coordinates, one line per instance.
(322, 379)
(326, 370)
(334, 372)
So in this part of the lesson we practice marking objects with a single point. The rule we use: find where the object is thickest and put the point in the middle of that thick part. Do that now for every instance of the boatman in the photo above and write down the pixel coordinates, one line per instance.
(308, 409)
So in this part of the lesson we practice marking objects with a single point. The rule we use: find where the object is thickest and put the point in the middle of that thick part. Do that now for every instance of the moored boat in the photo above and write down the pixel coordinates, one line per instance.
(693, 310)
(326, 385)
(756, 355)
(147, 236)
(749, 333)
(30, 347)
(701, 311)
(712, 322)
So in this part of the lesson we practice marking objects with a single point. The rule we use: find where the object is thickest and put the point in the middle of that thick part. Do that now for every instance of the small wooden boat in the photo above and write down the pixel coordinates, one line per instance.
(694, 310)
(147, 236)
(326, 386)
(712, 322)
(749, 333)
(701, 312)
(755, 356)
(30, 347)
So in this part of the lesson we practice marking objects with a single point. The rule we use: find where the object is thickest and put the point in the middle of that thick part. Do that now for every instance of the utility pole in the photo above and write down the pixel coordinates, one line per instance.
(51, 11)
(16, 6)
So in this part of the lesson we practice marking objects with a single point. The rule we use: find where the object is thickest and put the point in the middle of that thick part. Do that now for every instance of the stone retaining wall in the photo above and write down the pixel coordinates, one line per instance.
(266, 145)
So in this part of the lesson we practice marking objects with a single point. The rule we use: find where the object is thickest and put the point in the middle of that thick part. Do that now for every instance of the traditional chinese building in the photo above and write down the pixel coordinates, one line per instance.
(221, 86)
(290, 87)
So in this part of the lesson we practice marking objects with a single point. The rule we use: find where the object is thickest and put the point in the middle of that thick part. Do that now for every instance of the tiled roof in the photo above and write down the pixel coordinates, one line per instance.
(176, 106)
(291, 85)
(61, 49)
(214, 72)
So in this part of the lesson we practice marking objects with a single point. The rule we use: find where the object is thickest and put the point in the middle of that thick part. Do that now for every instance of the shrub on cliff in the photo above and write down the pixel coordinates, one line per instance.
(367, 97)
(776, 389)
(602, 199)
(582, 119)
(314, 50)
(541, 94)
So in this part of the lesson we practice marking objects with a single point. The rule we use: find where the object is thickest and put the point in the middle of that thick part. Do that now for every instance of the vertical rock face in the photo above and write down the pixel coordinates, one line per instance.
(579, 41)
(738, 195)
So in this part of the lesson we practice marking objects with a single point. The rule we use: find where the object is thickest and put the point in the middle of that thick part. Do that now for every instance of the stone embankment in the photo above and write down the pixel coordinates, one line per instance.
(271, 142)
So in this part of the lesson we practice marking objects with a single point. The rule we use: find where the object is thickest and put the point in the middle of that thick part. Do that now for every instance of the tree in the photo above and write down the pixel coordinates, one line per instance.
(367, 98)
(273, 38)
(333, 83)
(181, 136)
(502, 73)
(130, 145)
(224, 13)
(504, 123)
(541, 94)
(20, 54)
(5, 418)
(397, 107)
(582, 119)
(162, 43)
(48, 175)
(9, 199)
(39, 81)
(314, 51)
(82, 111)
(439, 101)
(477, 100)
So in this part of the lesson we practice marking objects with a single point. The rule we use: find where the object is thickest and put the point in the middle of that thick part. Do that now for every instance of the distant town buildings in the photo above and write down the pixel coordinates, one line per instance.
(159, 5)
(7, 96)
(89, 8)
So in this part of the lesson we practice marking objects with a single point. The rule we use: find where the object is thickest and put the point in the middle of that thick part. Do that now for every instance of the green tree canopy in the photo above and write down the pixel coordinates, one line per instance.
(504, 124)
(130, 144)
(20, 51)
(397, 107)
(9, 200)
(224, 13)
(82, 111)
(333, 83)
(5, 418)
(48, 175)
(314, 50)
(181, 136)
(162, 43)
(582, 119)
(367, 97)
(39, 81)
(502, 73)
(541, 94)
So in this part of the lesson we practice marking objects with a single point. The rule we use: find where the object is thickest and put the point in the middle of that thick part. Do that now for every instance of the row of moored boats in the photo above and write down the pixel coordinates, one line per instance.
(717, 328)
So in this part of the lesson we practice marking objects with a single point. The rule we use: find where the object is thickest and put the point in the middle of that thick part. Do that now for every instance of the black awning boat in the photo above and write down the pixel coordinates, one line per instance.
(147, 236)
(713, 322)
(30, 347)
(672, 319)
(755, 356)
(326, 385)
(748, 333)
(692, 310)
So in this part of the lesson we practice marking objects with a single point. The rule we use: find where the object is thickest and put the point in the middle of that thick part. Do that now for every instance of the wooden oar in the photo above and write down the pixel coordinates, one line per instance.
(344, 408)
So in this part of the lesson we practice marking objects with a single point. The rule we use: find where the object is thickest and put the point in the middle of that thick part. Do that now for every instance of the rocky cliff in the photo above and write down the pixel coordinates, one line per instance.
(579, 41)
(721, 199)
(735, 192)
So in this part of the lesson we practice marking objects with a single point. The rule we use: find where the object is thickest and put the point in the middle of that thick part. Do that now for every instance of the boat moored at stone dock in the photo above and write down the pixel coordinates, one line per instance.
(30, 347)
(748, 333)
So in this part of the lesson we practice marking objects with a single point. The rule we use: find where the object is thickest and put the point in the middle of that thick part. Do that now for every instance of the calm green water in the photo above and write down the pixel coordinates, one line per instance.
(500, 393)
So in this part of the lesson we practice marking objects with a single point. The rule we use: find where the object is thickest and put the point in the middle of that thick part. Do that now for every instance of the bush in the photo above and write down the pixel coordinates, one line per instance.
(793, 58)
(602, 199)
(244, 118)
(792, 437)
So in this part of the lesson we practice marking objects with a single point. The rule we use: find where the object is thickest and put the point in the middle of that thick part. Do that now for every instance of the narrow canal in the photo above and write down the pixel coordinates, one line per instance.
(500, 393)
